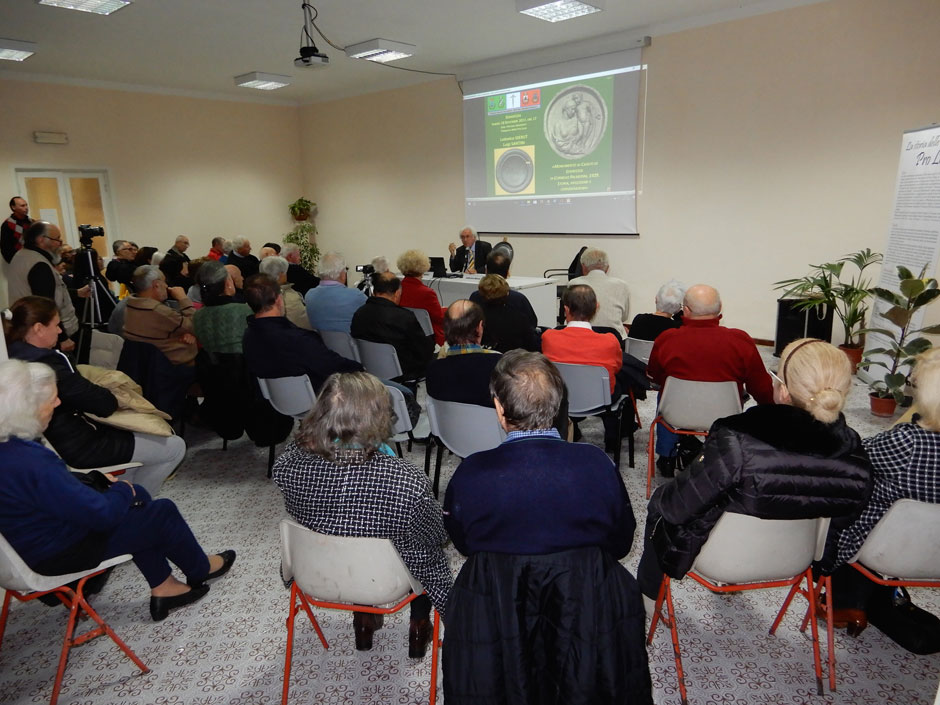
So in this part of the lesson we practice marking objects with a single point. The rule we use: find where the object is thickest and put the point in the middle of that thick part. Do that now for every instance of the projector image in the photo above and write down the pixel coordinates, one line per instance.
(311, 58)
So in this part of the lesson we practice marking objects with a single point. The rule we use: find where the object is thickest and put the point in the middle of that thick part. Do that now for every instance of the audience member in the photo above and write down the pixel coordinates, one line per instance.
(338, 477)
(13, 229)
(704, 351)
(794, 460)
(274, 246)
(144, 256)
(216, 251)
(612, 294)
(266, 252)
(578, 344)
(382, 320)
(648, 326)
(331, 305)
(241, 257)
(471, 255)
(176, 271)
(179, 248)
(220, 324)
(193, 292)
(58, 525)
(302, 280)
(276, 267)
(80, 440)
(463, 374)
(416, 294)
(507, 326)
(498, 263)
(148, 319)
(544, 524)
(32, 272)
(275, 347)
(121, 267)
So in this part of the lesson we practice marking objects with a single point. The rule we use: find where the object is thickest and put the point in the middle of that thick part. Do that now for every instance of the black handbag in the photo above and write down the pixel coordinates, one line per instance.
(906, 624)
(94, 479)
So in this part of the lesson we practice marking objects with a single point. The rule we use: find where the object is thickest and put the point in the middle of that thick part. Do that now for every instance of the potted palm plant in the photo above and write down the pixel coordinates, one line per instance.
(824, 287)
(301, 208)
(903, 343)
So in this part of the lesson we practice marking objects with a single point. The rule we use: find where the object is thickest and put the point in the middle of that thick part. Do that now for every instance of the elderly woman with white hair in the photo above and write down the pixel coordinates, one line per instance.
(58, 525)
(648, 326)
(416, 294)
(276, 267)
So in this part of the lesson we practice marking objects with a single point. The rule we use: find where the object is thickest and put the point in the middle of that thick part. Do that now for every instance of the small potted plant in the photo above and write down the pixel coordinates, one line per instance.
(823, 286)
(301, 209)
(904, 344)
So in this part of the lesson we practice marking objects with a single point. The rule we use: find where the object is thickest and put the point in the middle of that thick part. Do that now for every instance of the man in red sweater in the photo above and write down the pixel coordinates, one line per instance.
(704, 351)
(578, 344)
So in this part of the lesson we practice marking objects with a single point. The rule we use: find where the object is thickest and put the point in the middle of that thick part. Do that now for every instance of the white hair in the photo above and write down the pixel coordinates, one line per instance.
(593, 258)
(669, 297)
(290, 248)
(24, 387)
(273, 265)
(380, 263)
(157, 258)
(472, 231)
(331, 266)
(238, 242)
(144, 277)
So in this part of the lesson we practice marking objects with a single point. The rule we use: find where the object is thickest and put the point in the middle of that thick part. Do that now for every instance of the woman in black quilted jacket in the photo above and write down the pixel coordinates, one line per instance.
(796, 459)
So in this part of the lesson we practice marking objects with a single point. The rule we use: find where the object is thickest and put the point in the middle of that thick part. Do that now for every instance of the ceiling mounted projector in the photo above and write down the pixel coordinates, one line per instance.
(311, 58)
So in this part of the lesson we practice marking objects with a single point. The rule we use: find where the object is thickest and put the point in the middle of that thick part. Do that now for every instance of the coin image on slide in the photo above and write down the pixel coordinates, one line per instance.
(575, 121)
(514, 170)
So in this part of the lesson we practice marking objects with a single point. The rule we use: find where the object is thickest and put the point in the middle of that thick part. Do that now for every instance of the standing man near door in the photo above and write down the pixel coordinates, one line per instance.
(13, 229)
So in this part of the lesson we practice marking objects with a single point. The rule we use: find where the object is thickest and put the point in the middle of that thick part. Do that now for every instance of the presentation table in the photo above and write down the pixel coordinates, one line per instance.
(541, 293)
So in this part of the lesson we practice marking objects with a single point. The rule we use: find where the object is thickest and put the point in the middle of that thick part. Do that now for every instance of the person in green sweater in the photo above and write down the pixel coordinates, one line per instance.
(220, 324)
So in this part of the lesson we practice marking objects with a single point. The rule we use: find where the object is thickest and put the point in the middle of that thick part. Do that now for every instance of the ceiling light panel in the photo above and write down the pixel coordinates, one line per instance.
(559, 10)
(15, 50)
(262, 81)
(99, 7)
(380, 50)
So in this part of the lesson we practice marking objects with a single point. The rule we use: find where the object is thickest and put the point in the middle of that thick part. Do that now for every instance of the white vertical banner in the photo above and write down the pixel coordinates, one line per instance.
(914, 236)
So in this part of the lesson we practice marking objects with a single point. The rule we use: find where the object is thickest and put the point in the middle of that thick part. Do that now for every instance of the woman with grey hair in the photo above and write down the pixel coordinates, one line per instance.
(59, 525)
(648, 326)
(338, 477)
(220, 324)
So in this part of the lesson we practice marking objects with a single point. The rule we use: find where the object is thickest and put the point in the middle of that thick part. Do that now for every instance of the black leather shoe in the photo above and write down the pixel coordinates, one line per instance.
(228, 558)
(364, 626)
(666, 466)
(160, 606)
(419, 635)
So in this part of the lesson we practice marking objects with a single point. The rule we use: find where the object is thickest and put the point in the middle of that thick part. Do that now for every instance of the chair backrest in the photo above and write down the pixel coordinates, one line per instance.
(905, 543)
(588, 387)
(424, 318)
(363, 571)
(16, 575)
(403, 421)
(105, 349)
(745, 549)
(342, 343)
(379, 359)
(464, 428)
(695, 406)
(640, 349)
(291, 396)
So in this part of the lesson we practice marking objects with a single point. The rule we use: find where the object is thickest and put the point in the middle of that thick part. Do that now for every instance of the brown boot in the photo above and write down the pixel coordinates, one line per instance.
(364, 625)
(419, 635)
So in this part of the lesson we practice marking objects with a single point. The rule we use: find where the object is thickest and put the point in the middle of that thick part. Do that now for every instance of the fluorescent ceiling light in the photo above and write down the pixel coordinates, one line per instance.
(13, 50)
(262, 81)
(559, 10)
(381, 50)
(99, 7)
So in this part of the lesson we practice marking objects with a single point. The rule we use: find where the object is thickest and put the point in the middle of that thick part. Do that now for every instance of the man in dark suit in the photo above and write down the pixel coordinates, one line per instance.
(381, 320)
(464, 374)
(471, 256)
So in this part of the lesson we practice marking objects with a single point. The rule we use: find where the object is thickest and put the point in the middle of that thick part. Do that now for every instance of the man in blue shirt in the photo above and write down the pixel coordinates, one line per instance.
(331, 305)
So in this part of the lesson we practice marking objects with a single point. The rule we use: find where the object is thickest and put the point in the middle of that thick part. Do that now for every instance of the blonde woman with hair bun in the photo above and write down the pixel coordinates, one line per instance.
(794, 459)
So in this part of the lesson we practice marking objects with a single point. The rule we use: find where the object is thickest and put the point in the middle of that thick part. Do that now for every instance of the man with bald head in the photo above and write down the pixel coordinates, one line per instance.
(702, 350)
(179, 248)
(463, 374)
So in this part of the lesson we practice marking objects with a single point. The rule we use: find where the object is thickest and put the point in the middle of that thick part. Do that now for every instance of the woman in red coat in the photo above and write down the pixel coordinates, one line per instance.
(415, 294)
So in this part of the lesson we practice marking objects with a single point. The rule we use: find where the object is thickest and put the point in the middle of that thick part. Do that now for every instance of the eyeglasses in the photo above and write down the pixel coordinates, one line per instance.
(776, 378)
(54, 239)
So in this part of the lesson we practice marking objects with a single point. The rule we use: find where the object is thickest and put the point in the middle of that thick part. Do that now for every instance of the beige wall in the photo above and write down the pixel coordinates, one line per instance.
(771, 142)
(176, 165)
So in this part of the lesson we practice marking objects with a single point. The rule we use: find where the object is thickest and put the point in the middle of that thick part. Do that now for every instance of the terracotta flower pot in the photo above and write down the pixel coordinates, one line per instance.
(854, 353)
(302, 216)
(882, 406)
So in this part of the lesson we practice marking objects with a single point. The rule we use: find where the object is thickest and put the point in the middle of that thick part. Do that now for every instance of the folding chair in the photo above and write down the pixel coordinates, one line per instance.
(589, 395)
(688, 407)
(344, 573)
(379, 359)
(424, 318)
(640, 349)
(463, 429)
(746, 553)
(341, 343)
(403, 426)
(19, 581)
(105, 349)
(291, 396)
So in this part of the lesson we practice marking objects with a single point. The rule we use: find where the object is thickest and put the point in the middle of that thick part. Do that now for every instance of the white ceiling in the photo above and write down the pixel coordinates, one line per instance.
(196, 47)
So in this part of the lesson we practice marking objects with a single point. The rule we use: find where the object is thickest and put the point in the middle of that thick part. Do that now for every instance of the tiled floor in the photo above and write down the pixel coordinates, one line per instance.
(229, 648)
